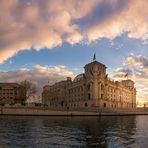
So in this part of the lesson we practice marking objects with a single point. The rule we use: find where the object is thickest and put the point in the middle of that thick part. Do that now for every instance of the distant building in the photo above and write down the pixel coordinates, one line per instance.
(92, 88)
(10, 93)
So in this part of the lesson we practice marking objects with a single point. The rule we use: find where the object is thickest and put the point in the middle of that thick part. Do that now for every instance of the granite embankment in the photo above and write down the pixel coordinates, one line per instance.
(44, 111)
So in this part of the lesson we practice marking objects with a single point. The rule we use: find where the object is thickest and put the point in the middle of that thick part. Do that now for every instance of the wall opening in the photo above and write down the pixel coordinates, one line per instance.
(104, 105)
(86, 104)
(102, 96)
(88, 87)
(62, 103)
(89, 96)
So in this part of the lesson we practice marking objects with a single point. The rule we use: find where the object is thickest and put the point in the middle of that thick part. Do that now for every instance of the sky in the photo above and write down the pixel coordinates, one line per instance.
(45, 41)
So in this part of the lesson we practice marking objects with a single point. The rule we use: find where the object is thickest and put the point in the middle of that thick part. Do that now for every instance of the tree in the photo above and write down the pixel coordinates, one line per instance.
(27, 89)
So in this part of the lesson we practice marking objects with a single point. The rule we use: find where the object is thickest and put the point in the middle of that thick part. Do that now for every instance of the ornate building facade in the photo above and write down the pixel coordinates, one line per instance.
(10, 93)
(90, 89)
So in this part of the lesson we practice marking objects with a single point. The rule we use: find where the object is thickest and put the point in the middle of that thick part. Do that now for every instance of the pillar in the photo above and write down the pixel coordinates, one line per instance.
(95, 92)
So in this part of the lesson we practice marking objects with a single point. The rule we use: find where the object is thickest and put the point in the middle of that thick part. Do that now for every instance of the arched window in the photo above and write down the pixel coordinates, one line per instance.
(102, 87)
(88, 87)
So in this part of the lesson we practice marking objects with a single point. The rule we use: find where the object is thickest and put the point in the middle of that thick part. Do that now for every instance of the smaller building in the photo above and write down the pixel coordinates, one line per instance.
(10, 93)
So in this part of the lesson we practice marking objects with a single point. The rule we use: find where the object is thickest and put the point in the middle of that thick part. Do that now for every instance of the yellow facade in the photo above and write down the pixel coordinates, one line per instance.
(92, 88)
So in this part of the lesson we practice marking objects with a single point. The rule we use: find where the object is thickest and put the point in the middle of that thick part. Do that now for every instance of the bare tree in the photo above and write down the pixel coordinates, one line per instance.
(27, 89)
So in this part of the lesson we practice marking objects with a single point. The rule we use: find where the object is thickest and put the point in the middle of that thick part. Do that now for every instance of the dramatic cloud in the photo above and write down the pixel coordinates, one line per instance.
(27, 24)
(39, 75)
(122, 72)
(119, 17)
(137, 69)
(136, 61)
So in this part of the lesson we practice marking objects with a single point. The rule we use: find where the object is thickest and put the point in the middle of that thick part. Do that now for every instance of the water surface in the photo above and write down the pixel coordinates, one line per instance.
(74, 132)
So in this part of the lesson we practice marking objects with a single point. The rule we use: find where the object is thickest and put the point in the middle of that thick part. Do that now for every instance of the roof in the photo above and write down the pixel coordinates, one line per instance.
(78, 77)
(5, 83)
(9, 84)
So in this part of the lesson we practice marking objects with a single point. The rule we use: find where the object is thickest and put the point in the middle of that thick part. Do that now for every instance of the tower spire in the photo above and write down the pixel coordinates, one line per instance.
(94, 57)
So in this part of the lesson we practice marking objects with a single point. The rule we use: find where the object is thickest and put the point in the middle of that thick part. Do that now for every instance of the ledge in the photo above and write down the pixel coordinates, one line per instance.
(28, 111)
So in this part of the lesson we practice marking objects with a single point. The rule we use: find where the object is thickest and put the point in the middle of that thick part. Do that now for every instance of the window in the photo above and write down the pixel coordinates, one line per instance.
(86, 104)
(89, 96)
(104, 105)
(62, 103)
(88, 87)
(101, 96)
(102, 87)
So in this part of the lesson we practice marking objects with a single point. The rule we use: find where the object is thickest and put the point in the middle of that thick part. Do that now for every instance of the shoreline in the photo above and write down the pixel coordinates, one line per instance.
(40, 111)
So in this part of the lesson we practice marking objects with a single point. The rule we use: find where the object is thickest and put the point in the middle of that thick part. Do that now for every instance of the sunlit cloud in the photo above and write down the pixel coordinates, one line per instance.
(39, 75)
(49, 23)
(120, 17)
(137, 69)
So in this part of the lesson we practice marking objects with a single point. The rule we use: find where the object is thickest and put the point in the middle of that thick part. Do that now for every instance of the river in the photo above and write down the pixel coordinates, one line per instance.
(74, 132)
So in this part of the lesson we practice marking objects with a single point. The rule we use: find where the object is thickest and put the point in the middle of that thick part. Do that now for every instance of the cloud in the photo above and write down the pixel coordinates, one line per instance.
(134, 61)
(137, 69)
(122, 72)
(41, 24)
(39, 75)
(122, 16)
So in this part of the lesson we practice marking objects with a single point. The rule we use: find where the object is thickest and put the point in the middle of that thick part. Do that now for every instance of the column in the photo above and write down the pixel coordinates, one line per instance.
(95, 91)
(99, 94)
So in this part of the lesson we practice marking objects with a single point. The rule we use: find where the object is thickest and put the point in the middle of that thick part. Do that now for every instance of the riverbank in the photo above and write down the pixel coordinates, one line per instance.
(42, 111)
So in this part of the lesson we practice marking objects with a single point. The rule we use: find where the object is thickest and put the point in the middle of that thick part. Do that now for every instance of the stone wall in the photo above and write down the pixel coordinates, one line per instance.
(44, 111)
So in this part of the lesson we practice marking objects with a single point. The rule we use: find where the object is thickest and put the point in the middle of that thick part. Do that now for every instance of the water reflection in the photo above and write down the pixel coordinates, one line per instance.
(74, 132)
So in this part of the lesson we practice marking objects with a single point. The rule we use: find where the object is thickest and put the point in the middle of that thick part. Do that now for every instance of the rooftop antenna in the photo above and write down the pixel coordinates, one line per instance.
(94, 57)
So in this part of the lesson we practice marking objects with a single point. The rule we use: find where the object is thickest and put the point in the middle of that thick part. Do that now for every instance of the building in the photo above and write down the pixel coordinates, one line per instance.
(10, 93)
(90, 89)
